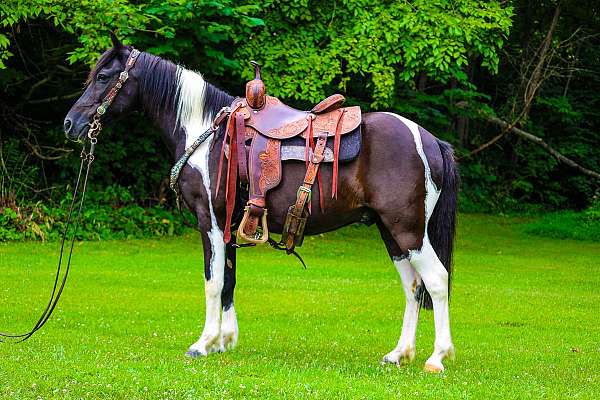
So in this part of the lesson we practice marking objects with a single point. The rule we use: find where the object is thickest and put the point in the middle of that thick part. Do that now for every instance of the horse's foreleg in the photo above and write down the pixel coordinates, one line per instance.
(406, 349)
(214, 271)
(435, 277)
(229, 325)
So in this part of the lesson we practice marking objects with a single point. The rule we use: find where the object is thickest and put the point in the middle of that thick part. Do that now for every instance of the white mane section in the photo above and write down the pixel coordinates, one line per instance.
(190, 110)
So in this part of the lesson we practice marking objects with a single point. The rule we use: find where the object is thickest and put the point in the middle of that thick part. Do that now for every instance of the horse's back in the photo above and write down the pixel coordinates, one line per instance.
(411, 146)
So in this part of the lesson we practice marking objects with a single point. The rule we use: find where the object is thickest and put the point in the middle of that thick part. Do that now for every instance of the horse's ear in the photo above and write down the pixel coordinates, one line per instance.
(115, 40)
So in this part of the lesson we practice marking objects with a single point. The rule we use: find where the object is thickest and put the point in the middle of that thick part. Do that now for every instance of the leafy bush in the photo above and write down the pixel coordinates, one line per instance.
(110, 214)
(569, 224)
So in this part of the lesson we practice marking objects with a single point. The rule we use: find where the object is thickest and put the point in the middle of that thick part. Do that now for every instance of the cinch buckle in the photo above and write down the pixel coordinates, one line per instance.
(305, 190)
(220, 117)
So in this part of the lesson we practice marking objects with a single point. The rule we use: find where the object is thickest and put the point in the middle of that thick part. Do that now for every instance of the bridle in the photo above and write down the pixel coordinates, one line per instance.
(95, 125)
(87, 157)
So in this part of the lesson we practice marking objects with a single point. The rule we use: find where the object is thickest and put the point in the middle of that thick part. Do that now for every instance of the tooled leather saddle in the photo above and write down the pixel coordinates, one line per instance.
(256, 128)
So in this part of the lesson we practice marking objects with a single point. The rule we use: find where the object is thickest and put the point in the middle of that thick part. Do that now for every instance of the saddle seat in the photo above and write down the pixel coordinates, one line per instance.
(256, 128)
(277, 120)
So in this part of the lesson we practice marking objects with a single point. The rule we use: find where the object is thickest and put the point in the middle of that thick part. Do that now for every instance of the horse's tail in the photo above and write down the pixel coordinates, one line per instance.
(442, 224)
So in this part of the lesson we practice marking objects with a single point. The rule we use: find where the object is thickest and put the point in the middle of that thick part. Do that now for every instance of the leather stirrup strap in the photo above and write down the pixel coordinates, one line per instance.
(240, 129)
(230, 127)
(311, 171)
(320, 184)
(309, 139)
(309, 146)
(336, 153)
(304, 192)
(231, 184)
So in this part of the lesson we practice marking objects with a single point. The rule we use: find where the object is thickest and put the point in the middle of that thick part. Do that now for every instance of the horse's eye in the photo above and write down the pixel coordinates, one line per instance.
(102, 77)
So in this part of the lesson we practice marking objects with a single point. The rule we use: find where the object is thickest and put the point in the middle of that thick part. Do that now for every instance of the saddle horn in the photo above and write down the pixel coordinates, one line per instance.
(255, 89)
(256, 69)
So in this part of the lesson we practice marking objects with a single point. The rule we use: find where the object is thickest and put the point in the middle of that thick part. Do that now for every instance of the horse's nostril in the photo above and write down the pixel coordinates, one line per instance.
(68, 125)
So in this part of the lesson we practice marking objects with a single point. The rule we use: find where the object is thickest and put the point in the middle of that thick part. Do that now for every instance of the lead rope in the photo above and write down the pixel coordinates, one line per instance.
(93, 131)
(55, 296)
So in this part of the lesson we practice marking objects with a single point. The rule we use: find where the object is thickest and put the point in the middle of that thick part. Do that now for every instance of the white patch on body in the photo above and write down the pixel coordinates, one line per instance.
(426, 262)
(192, 117)
(432, 194)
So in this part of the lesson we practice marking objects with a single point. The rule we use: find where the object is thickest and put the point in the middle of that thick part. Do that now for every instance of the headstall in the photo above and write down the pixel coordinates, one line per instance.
(95, 125)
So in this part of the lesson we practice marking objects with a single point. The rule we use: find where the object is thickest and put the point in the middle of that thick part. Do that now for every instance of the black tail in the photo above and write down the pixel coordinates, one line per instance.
(442, 223)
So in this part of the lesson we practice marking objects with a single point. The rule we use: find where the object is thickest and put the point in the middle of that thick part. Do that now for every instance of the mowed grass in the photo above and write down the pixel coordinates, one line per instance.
(524, 311)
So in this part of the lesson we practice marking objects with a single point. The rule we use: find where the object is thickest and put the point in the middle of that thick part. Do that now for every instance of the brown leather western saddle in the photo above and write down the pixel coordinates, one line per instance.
(256, 127)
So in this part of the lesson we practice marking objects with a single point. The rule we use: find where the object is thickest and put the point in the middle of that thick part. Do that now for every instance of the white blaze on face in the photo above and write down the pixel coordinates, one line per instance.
(191, 116)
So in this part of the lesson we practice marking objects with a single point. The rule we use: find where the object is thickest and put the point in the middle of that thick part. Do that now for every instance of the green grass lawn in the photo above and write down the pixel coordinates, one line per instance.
(524, 310)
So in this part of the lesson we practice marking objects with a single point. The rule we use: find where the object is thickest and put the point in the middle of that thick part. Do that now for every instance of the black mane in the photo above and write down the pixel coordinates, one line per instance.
(158, 83)
(215, 99)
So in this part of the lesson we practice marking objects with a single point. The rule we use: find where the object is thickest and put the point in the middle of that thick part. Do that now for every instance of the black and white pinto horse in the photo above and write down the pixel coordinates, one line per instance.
(404, 179)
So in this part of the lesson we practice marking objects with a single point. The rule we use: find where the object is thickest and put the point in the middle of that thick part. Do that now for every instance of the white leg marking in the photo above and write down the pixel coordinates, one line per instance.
(435, 278)
(405, 351)
(229, 329)
(428, 265)
(192, 117)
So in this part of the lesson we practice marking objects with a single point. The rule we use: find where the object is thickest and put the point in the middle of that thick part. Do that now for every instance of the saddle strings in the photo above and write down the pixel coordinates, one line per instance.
(55, 296)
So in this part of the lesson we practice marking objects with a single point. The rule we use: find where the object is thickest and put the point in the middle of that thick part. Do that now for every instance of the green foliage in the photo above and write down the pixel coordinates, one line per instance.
(109, 214)
(18, 177)
(90, 22)
(385, 43)
(442, 63)
(562, 108)
(569, 224)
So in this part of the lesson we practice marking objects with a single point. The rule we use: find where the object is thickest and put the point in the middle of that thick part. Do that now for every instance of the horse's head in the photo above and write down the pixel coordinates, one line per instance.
(102, 79)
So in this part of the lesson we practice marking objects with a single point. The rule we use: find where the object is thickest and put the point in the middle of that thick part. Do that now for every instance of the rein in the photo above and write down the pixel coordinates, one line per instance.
(87, 158)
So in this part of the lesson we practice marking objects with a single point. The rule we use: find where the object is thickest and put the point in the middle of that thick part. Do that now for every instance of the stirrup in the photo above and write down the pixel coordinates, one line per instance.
(258, 238)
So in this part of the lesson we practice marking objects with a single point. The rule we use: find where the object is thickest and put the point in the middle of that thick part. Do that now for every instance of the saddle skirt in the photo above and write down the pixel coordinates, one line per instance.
(293, 149)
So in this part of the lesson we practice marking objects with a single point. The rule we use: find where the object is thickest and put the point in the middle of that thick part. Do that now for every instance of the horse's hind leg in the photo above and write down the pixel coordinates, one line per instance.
(435, 277)
(424, 263)
(411, 281)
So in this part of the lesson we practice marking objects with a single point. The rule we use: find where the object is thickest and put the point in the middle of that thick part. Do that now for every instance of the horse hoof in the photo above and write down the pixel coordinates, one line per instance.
(399, 357)
(434, 369)
(389, 360)
(194, 354)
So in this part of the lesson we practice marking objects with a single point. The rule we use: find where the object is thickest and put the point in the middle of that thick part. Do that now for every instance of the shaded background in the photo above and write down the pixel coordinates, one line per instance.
(459, 68)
